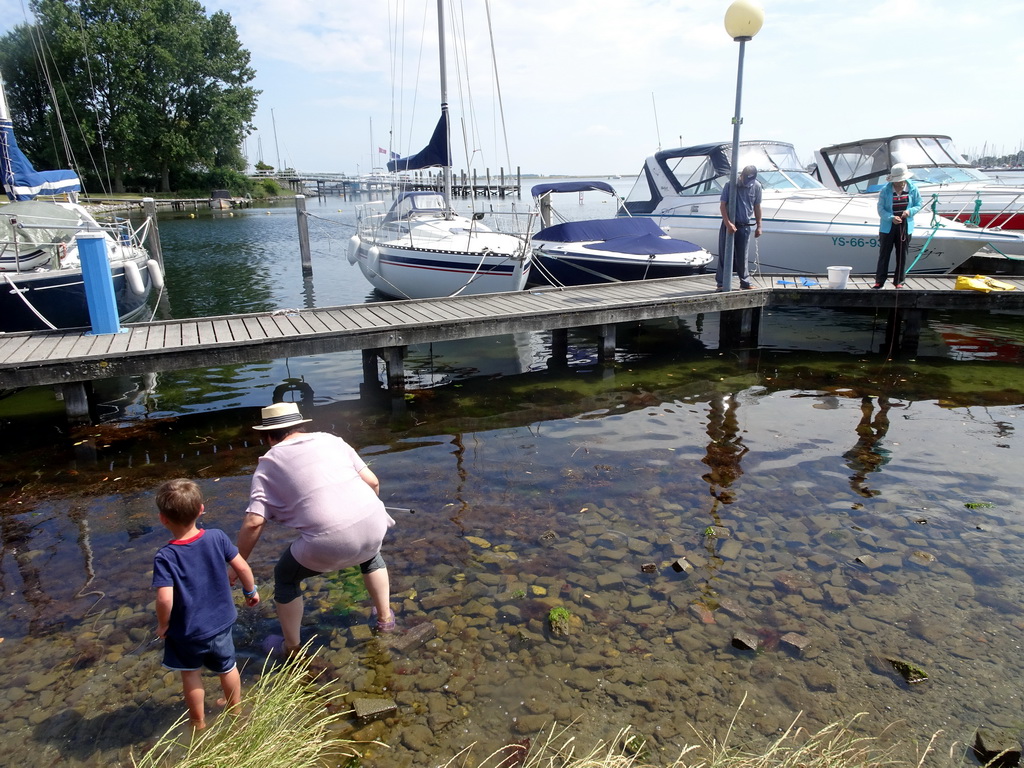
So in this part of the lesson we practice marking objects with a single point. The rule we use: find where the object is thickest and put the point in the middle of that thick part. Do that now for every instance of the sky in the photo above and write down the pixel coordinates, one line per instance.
(592, 87)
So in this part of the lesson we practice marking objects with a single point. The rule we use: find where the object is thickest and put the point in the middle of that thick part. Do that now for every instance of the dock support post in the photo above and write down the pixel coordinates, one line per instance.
(370, 387)
(739, 328)
(76, 402)
(395, 360)
(606, 344)
(903, 332)
(300, 215)
(559, 359)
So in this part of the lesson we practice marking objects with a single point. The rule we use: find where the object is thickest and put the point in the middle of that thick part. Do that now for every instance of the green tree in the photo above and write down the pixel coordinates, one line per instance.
(155, 90)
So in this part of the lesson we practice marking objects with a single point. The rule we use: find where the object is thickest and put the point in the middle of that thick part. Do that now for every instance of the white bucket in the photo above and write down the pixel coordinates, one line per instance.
(837, 276)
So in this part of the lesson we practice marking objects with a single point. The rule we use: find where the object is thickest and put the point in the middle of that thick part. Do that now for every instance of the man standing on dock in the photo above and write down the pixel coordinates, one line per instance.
(748, 215)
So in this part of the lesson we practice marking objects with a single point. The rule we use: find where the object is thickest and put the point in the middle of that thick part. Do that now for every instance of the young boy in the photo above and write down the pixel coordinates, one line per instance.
(195, 610)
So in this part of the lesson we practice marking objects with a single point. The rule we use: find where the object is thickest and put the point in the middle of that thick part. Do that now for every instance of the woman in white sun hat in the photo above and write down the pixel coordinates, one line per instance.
(898, 202)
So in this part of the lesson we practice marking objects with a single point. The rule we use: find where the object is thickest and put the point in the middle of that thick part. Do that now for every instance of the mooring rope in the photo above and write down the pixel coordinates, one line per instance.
(28, 303)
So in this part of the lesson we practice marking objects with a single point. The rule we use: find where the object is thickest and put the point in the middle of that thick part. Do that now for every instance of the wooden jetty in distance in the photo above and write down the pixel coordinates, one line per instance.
(464, 184)
(71, 359)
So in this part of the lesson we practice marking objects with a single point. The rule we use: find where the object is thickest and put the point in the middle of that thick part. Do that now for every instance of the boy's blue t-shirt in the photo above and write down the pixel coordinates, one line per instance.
(203, 603)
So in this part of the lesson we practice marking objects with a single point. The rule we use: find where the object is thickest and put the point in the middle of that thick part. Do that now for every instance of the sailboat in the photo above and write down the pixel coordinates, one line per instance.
(421, 248)
(41, 281)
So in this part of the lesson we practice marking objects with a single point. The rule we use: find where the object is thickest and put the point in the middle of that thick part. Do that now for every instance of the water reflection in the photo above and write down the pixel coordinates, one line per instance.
(725, 449)
(867, 455)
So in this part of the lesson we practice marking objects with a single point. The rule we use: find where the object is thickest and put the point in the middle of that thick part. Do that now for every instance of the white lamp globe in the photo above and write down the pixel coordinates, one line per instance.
(743, 19)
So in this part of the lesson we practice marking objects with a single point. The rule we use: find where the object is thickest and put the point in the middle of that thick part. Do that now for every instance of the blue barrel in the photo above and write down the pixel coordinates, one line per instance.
(99, 284)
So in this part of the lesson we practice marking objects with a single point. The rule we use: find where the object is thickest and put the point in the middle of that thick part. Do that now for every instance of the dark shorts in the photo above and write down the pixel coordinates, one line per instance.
(289, 573)
(216, 653)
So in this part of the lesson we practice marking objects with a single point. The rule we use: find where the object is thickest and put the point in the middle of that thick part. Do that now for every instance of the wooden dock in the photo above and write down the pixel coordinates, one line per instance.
(387, 328)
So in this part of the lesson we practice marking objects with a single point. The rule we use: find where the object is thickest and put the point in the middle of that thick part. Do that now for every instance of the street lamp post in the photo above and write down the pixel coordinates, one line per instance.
(743, 20)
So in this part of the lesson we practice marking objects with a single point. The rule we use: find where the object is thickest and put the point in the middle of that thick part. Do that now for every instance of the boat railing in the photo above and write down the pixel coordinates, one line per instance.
(971, 209)
(369, 218)
(19, 256)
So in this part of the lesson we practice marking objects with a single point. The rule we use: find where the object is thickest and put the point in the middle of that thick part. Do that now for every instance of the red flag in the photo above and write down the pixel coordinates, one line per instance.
(382, 150)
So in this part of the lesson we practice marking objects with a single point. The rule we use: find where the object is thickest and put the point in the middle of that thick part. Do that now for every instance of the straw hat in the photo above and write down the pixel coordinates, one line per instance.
(900, 172)
(281, 415)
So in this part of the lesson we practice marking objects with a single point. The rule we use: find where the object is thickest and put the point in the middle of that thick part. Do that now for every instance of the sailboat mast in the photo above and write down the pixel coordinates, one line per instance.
(446, 170)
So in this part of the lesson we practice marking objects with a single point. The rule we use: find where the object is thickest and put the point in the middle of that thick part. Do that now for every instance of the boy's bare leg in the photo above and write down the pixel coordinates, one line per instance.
(378, 584)
(231, 684)
(290, 616)
(192, 685)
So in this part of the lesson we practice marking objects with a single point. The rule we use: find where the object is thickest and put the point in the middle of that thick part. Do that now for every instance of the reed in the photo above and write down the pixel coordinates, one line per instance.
(837, 745)
(287, 720)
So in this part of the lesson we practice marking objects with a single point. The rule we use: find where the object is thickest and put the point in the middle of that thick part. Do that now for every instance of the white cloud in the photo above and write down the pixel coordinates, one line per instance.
(593, 86)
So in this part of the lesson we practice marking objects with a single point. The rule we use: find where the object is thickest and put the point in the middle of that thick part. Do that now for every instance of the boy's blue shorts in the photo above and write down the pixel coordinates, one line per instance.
(216, 653)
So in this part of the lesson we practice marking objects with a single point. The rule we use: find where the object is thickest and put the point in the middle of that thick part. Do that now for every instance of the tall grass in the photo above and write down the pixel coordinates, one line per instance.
(834, 746)
(286, 721)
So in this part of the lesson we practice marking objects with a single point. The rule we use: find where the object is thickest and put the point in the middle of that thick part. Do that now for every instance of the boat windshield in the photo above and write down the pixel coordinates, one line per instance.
(411, 204)
(29, 226)
(933, 159)
(949, 175)
(925, 151)
(777, 168)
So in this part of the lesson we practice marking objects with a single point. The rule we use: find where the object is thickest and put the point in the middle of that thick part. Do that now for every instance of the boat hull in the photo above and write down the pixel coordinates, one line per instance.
(59, 296)
(797, 238)
(557, 264)
(404, 272)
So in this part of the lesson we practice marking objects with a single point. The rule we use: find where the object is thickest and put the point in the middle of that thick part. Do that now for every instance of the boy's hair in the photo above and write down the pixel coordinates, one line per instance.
(180, 501)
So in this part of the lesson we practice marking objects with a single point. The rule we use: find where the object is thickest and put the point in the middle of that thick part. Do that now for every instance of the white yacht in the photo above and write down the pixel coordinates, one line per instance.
(806, 227)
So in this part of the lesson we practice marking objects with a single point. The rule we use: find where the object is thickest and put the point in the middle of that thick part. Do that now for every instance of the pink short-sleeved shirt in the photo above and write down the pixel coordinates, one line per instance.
(311, 483)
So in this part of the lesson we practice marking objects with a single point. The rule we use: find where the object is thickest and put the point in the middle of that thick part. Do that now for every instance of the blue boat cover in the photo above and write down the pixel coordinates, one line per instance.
(434, 154)
(23, 182)
(638, 236)
(572, 186)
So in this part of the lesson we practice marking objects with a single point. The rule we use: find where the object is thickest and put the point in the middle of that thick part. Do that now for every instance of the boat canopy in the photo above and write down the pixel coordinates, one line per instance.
(21, 181)
(704, 170)
(636, 236)
(857, 166)
(27, 227)
(408, 204)
(572, 186)
(432, 155)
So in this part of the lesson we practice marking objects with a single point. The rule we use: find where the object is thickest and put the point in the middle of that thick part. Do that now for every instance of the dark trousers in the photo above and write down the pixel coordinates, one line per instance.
(895, 239)
(739, 254)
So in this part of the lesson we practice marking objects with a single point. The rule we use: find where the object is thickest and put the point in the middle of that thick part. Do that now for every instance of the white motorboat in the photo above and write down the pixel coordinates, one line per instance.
(959, 190)
(806, 227)
(605, 250)
(41, 281)
(421, 248)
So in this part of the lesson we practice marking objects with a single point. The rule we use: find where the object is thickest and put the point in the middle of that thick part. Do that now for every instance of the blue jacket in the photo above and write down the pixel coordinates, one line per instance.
(914, 205)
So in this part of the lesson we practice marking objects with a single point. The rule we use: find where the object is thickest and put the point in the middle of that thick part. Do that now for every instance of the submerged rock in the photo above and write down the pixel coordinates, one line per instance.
(910, 672)
(996, 749)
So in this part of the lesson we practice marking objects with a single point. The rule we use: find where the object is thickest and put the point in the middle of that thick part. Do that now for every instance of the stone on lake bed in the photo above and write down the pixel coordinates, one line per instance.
(996, 749)
(919, 557)
(682, 565)
(366, 708)
(868, 561)
(702, 612)
(794, 641)
(476, 540)
(745, 641)
(910, 672)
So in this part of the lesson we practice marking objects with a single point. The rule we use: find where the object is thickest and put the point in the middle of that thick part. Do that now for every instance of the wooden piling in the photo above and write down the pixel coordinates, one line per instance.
(300, 215)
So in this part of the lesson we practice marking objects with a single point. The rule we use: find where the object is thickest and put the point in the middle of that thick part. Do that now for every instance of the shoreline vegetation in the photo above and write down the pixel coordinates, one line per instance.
(293, 718)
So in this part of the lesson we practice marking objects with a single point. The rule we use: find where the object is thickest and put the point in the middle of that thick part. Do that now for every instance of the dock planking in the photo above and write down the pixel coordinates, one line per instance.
(58, 357)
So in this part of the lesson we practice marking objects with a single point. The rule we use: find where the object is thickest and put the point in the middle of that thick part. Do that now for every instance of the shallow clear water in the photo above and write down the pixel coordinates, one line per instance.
(823, 497)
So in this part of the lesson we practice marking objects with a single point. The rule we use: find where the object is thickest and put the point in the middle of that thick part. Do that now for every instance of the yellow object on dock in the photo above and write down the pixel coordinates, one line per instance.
(981, 283)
